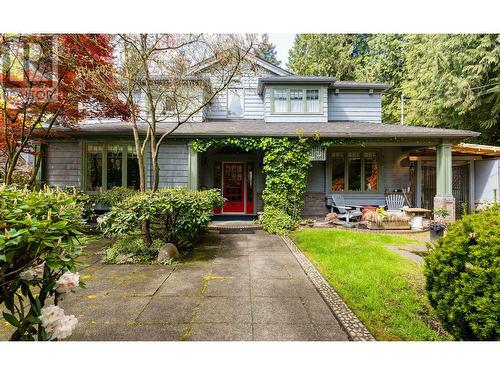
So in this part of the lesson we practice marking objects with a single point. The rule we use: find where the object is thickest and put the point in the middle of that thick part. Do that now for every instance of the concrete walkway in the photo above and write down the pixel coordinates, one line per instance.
(233, 287)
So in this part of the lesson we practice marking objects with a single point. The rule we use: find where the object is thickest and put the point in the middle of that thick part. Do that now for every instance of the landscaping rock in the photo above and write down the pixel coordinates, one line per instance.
(168, 252)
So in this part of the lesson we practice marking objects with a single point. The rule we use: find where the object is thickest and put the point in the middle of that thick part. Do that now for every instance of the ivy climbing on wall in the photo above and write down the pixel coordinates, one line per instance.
(286, 164)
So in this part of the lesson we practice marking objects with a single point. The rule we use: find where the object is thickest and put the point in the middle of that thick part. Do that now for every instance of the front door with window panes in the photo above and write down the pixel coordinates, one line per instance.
(233, 187)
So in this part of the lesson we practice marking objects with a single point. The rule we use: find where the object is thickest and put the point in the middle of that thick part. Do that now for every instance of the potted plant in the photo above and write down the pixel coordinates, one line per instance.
(438, 226)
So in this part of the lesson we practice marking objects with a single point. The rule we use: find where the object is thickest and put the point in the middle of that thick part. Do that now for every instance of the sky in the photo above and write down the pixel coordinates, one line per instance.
(283, 43)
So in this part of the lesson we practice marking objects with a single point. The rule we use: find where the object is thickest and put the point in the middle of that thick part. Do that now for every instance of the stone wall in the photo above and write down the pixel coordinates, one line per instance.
(314, 205)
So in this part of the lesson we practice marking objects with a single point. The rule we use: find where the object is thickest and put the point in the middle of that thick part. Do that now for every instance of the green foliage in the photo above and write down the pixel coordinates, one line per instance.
(450, 80)
(175, 215)
(332, 55)
(463, 277)
(454, 81)
(275, 220)
(286, 165)
(112, 196)
(39, 228)
(133, 249)
(266, 50)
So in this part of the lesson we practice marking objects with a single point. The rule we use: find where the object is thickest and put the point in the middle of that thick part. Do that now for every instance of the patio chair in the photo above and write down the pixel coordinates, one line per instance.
(345, 212)
(395, 203)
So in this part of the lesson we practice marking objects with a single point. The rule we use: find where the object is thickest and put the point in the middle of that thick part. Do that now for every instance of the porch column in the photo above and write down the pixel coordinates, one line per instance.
(193, 168)
(444, 195)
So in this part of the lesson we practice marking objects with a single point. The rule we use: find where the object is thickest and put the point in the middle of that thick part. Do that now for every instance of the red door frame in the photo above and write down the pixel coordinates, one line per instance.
(236, 207)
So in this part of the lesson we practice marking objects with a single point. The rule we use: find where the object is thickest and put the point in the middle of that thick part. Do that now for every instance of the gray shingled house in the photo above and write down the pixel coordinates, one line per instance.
(269, 101)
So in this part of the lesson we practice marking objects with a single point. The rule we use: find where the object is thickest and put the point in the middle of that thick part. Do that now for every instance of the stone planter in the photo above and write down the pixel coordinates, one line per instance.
(388, 225)
(437, 231)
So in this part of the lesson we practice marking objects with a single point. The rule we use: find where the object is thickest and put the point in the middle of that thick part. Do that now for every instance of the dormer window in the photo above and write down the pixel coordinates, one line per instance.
(296, 101)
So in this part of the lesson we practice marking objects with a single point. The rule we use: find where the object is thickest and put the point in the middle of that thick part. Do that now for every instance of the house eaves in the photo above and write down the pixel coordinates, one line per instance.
(360, 85)
(301, 80)
(250, 128)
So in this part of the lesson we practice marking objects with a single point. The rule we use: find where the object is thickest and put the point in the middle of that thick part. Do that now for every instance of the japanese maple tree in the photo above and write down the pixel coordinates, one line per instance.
(48, 80)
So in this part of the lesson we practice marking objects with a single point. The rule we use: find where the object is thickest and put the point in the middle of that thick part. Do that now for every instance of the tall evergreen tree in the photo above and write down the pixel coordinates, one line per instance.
(383, 60)
(454, 81)
(332, 55)
(266, 50)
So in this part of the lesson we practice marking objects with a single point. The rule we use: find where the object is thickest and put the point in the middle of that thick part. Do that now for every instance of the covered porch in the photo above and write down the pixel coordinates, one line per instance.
(237, 173)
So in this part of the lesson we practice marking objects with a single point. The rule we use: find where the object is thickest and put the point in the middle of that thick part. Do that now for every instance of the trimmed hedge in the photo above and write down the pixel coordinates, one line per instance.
(463, 277)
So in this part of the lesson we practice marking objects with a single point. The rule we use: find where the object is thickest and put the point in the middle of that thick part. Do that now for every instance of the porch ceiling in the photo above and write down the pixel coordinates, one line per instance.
(259, 128)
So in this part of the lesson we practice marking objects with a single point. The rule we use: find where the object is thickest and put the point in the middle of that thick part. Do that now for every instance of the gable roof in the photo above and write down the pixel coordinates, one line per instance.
(251, 57)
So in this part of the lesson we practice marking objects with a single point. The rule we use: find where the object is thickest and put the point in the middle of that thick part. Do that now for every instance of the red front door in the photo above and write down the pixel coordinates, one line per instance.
(233, 187)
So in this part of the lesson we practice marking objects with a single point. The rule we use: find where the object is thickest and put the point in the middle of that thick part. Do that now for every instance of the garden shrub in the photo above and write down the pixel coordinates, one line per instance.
(112, 196)
(133, 250)
(275, 220)
(38, 248)
(463, 277)
(175, 215)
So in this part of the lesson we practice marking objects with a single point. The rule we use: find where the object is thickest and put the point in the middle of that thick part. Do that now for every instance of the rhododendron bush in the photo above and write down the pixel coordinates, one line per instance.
(38, 248)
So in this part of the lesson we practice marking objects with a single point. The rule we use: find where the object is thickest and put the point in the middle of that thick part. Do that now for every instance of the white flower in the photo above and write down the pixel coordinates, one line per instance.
(67, 282)
(56, 324)
(28, 275)
(51, 315)
(64, 328)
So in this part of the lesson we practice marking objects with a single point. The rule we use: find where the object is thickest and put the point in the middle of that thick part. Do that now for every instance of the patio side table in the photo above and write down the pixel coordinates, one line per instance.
(417, 217)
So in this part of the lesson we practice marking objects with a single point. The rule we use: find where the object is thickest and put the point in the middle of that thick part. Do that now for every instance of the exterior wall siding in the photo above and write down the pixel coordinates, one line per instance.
(174, 166)
(354, 106)
(316, 177)
(487, 180)
(253, 102)
(63, 164)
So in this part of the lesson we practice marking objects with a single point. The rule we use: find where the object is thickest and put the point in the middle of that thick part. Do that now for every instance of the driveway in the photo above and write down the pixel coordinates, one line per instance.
(233, 287)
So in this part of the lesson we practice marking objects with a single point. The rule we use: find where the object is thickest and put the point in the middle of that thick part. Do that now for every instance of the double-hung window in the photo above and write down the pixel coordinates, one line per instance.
(110, 165)
(355, 171)
(296, 101)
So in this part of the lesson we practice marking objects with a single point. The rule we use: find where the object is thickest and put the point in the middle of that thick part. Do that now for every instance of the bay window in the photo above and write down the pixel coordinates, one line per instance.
(110, 165)
(296, 100)
(354, 171)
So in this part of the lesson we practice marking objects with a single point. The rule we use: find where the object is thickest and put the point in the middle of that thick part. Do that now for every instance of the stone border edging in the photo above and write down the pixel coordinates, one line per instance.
(354, 328)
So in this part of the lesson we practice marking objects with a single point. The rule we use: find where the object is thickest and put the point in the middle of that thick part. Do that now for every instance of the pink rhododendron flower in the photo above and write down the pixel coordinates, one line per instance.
(68, 281)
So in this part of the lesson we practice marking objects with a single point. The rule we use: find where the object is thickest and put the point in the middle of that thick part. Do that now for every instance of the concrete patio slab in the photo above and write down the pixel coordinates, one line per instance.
(230, 287)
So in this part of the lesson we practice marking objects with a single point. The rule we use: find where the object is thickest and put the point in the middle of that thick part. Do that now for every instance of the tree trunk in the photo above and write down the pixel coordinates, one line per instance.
(146, 233)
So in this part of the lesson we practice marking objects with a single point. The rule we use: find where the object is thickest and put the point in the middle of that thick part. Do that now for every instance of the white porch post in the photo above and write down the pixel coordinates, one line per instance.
(444, 196)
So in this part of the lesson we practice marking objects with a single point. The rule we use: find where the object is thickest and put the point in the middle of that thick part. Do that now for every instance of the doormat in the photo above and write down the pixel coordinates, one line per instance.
(237, 231)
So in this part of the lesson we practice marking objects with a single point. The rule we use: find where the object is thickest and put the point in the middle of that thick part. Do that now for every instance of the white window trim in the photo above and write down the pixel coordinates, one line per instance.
(304, 100)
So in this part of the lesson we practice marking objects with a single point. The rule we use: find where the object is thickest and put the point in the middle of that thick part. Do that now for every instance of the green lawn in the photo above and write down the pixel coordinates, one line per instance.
(385, 290)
